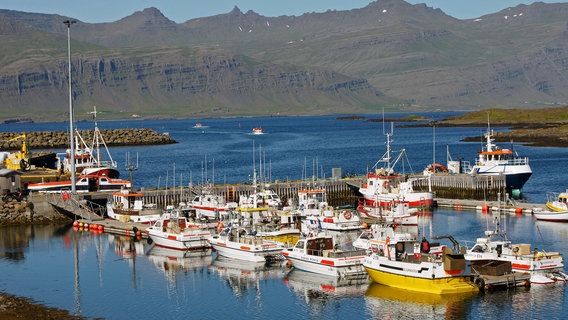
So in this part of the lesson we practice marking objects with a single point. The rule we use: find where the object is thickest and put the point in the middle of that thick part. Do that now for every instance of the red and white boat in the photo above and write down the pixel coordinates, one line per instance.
(87, 157)
(236, 243)
(385, 187)
(545, 267)
(130, 207)
(399, 213)
(257, 130)
(212, 207)
(84, 183)
(319, 254)
(175, 232)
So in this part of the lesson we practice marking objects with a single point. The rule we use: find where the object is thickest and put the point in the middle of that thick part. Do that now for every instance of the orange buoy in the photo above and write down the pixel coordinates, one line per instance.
(519, 210)
(485, 208)
(101, 228)
(75, 223)
(80, 224)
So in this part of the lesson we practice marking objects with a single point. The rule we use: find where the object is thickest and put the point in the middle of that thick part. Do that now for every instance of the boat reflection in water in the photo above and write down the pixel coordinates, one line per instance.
(384, 302)
(243, 276)
(178, 262)
(314, 287)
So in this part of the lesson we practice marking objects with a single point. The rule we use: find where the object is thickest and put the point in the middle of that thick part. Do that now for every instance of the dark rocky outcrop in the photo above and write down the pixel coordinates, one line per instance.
(60, 139)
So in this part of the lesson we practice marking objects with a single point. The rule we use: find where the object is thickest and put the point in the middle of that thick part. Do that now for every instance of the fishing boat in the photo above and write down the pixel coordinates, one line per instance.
(396, 213)
(335, 220)
(551, 215)
(236, 243)
(384, 187)
(129, 206)
(257, 130)
(318, 253)
(493, 160)
(176, 232)
(557, 201)
(212, 206)
(87, 156)
(396, 260)
(544, 267)
(84, 183)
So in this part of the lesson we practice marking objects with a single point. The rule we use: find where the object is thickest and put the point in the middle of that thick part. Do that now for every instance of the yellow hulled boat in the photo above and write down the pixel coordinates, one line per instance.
(396, 260)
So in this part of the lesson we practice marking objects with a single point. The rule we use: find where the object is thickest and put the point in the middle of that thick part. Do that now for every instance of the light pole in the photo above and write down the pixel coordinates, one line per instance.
(71, 131)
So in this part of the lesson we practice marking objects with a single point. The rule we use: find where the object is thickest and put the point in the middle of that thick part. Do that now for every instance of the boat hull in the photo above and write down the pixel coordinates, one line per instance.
(427, 284)
(348, 267)
(552, 216)
(196, 241)
(245, 251)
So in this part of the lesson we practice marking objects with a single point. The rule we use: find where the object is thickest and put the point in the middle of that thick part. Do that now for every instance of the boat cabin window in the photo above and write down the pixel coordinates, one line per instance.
(196, 199)
(299, 244)
(477, 248)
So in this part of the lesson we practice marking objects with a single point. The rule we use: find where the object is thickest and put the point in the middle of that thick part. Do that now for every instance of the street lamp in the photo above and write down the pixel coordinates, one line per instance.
(71, 131)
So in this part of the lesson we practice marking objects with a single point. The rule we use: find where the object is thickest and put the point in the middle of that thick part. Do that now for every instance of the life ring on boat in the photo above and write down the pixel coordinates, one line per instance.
(65, 196)
(220, 226)
(347, 214)
(386, 184)
(387, 241)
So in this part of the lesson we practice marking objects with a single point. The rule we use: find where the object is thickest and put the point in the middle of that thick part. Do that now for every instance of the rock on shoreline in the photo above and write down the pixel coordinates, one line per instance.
(60, 139)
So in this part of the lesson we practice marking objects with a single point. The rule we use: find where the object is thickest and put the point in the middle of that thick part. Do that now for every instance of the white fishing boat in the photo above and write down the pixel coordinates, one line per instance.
(494, 160)
(335, 220)
(318, 253)
(396, 213)
(545, 267)
(236, 243)
(384, 187)
(257, 130)
(551, 215)
(176, 232)
(129, 206)
(211, 206)
(396, 260)
(84, 183)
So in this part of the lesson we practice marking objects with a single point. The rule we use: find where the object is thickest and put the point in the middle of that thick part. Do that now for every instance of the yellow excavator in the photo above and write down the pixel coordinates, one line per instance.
(19, 160)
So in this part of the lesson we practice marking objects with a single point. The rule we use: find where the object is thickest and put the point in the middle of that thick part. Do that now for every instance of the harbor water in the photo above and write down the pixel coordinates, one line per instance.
(114, 277)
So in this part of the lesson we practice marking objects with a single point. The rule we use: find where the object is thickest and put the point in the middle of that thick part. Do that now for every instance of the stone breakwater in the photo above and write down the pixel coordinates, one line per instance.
(37, 211)
(60, 139)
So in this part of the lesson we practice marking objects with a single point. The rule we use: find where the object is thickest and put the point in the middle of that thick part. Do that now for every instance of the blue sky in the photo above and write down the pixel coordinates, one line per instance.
(183, 10)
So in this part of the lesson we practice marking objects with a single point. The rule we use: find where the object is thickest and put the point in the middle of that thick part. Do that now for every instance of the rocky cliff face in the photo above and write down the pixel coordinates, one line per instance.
(166, 82)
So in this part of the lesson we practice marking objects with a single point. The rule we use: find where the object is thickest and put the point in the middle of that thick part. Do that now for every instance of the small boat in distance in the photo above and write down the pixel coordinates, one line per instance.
(257, 130)
(199, 126)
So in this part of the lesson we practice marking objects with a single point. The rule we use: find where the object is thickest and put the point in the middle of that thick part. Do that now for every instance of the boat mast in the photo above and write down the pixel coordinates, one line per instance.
(71, 131)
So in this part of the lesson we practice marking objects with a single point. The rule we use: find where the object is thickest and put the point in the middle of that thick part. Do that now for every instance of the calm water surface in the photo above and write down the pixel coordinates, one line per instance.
(116, 278)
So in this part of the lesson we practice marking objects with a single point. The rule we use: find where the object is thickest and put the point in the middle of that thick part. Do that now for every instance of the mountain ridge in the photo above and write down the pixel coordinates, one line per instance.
(387, 55)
